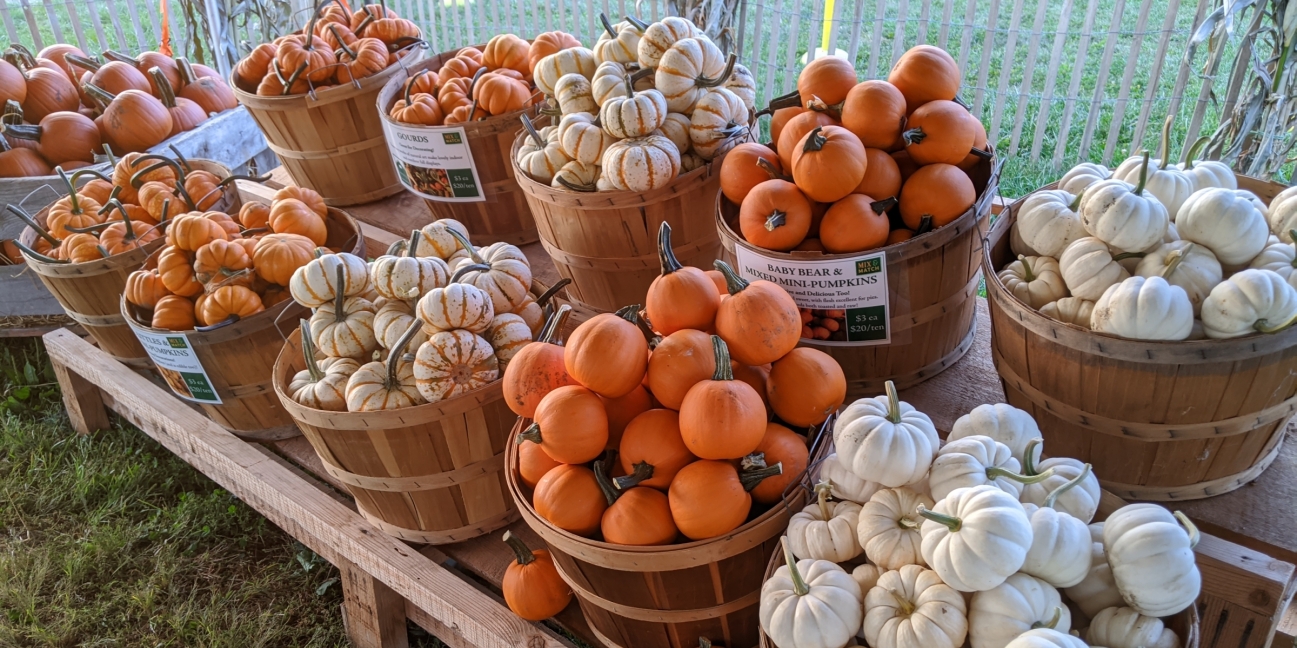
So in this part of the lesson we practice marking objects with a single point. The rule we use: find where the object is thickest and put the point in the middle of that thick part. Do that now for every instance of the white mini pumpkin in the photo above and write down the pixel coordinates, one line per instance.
(687, 69)
(575, 176)
(1186, 264)
(633, 114)
(574, 94)
(609, 81)
(408, 276)
(1248, 302)
(1123, 215)
(1166, 182)
(1060, 545)
(1229, 222)
(1047, 222)
(846, 484)
(582, 139)
(1122, 627)
(866, 576)
(719, 122)
(676, 128)
(457, 306)
(1081, 502)
(1205, 174)
(742, 83)
(501, 270)
(345, 328)
(323, 383)
(1000, 421)
(1280, 258)
(1097, 590)
(508, 334)
(1021, 603)
(825, 530)
(618, 43)
(1080, 177)
(911, 607)
(641, 164)
(885, 440)
(1046, 638)
(975, 538)
(974, 461)
(1150, 551)
(1034, 280)
(1282, 215)
(316, 283)
(889, 527)
(1144, 308)
(1069, 310)
(392, 319)
(660, 36)
(452, 363)
(436, 240)
(810, 604)
(1089, 269)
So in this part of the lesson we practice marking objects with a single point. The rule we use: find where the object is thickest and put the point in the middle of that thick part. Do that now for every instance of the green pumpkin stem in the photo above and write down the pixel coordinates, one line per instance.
(308, 352)
(1128, 255)
(1192, 155)
(89, 229)
(79, 173)
(666, 255)
(893, 402)
(752, 478)
(721, 353)
(531, 131)
(22, 247)
(815, 140)
(1076, 202)
(776, 220)
(1027, 274)
(467, 268)
(413, 245)
(165, 92)
(639, 24)
(903, 604)
(521, 552)
(532, 433)
(610, 492)
(704, 82)
(1143, 177)
(949, 521)
(12, 110)
(1053, 620)
(1053, 496)
(607, 26)
(995, 472)
(1264, 326)
(463, 241)
(822, 491)
(31, 222)
(981, 153)
(73, 199)
(161, 162)
(340, 294)
(733, 282)
(552, 290)
(925, 225)
(114, 203)
(1029, 456)
(1190, 528)
(880, 206)
(643, 472)
(1165, 150)
(800, 587)
(552, 331)
(394, 357)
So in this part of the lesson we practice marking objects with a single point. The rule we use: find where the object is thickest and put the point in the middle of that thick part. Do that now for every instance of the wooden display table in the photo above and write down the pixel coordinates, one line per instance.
(452, 591)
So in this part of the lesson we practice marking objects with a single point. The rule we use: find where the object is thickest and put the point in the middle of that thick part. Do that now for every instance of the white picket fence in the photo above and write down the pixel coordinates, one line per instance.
(1054, 80)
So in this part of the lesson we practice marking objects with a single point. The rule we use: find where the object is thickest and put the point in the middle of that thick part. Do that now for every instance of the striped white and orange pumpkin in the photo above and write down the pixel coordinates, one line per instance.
(579, 60)
(347, 332)
(635, 115)
(718, 123)
(408, 276)
(609, 80)
(742, 83)
(508, 334)
(385, 385)
(392, 318)
(457, 306)
(455, 362)
(316, 283)
(323, 384)
(506, 279)
(641, 163)
(436, 241)
(573, 93)
(660, 36)
(577, 177)
(676, 128)
(618, 43)
(541, 156)
(582, 139)
(686, 70)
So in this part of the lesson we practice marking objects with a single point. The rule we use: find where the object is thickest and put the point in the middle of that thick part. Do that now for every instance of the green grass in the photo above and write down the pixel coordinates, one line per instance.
(111, 540)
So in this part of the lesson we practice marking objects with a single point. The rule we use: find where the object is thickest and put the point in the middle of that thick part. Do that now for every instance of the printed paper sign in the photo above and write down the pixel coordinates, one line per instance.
(851, 292)
(179, 365)
(435, 163)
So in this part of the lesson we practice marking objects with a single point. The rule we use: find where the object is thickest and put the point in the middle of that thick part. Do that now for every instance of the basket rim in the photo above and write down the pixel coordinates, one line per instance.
(1087, 341)
(325, 95)
(384, 101)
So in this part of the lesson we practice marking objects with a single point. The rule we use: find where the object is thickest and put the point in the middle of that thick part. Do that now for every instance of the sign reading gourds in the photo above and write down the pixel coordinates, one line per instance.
(985, 516)
(1156, 251)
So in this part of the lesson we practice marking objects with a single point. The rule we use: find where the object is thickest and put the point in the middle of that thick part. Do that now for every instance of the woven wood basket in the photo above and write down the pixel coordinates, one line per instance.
(606, 241)
(1159, 420)
(431, 474)
(932, 293)
(91, 292)
(239, 358)
(668, 597)
(331, 140)
(504, 215)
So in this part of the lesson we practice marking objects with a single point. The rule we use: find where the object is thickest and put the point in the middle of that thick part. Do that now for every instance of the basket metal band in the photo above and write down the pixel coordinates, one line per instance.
(416, 483)
(448, 536)
(1151, 432)
(1200, 490)
(114, 319)
(661, 616)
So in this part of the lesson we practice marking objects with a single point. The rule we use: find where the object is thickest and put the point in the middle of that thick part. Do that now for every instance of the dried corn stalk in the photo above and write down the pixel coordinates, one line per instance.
(716, 17)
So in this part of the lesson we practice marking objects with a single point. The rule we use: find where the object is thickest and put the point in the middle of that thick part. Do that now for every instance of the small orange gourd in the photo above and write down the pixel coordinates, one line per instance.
(621, 411)
(828, 163)
(875, 112)
(746, 166)
(925, 73)
(681, 296)
(935, 195)
(653, 439)
(759, 322)
(538, 368)
(883, 178)
(532, 587)
(722, 418)
(533, 463)
(570, 425)
(825, 82)
(173, 313)
(636, 515)
(806, 386)
(939, 132)
(569, 497)
(607, 353)
(780, 445)
(796, 129)
(855, 224)
(711, 498)
(775, 215)
(679, 361)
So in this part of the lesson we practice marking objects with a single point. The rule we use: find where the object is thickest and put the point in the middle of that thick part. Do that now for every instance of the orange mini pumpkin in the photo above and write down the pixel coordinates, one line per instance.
(278, 256)
(925, 73)
(292, 216)
(254, 214)
(776, 216)
(498, 94)
(653, 439)
(711, 498)
(532, 587)
(229, 302)
(875, 112)
(309, 196)
(421, 109)
(637, 515)
(780, 445)
(828, 163)
(855, 224)
(806, 386)
(746, 166)
(607, 353)
(899, 236)
(144, 288)
(507, 51)
(722, 418)
(621, 411)
(681, 296)
(547, 43)
(758, 321)
(173, 313)
(825, 82)
(569, 497)
(538, 368)
(191, 231)
(936, 195)
(883, 178)
(570, 425)
(780, 118)
(939, 132)
(796, 129)
(680, 361)
(533, 463)
(177, 272)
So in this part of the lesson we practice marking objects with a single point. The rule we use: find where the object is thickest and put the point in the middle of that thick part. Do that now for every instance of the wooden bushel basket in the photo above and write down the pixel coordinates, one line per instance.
(932, 294)
(606, 241)
(431, 473)
(91, 292)
(239, 358)
(1158, 420)
(331, 140)
(669, 596)
(504, 215)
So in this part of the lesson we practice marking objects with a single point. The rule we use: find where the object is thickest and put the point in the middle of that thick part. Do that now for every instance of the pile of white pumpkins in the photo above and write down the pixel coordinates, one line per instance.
(648, 103)
(975, 540)
(1155, 251)
(430, 320)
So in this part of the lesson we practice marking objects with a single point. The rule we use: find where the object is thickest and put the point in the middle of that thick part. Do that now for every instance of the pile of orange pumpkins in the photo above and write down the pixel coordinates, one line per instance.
(110, 215)
(660, 425)
(62, 107)
(216, 267)
(338, 45)
(859, 165)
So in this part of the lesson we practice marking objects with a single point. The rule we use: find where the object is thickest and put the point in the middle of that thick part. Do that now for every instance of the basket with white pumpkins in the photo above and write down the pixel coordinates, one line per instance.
(650, 102)
(978, 542)
(1156, 251)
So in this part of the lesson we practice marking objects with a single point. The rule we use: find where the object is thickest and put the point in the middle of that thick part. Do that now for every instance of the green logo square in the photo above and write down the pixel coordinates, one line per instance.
(868, 266)
(462, 183)
(452, 138)
(177, 343)
(868, 323)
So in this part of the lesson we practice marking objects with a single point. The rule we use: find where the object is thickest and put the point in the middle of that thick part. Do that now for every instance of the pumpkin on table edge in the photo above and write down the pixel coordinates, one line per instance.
(532, 587)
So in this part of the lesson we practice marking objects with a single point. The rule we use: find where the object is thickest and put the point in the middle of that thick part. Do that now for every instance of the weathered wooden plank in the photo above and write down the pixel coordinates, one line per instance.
(1101, 83)
(856, 28)
(52, 18)
(24, 296)
(879, 12)
(9, 23)
(372, 614)
(988, 48)
(31, 24)
(1006, 69)
(946, 14)
(82, 400)
(900, 32)
(135, 24)
(1186, 63)
(92, 8)
(966, 35)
